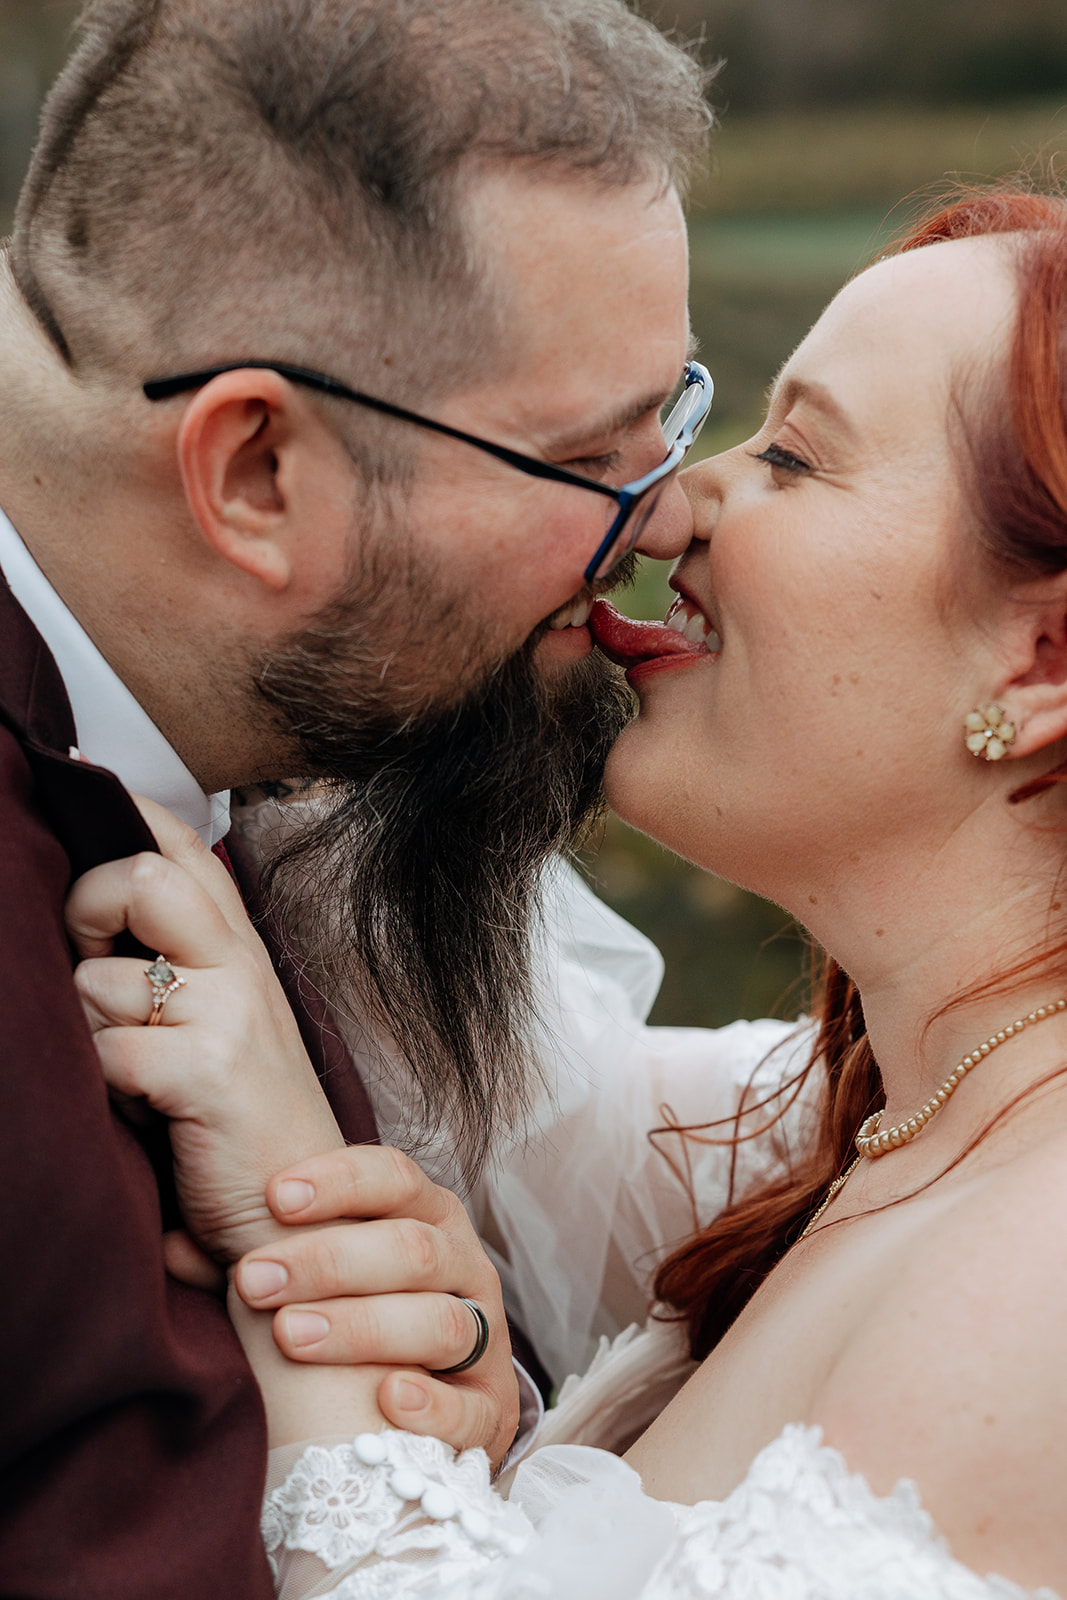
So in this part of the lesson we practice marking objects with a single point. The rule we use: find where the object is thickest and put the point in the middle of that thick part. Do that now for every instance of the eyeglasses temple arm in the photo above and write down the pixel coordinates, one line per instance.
(166, 388)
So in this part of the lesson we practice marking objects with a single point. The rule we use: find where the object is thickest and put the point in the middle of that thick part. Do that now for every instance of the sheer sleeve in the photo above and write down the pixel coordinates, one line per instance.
(609, 1080)
(392, 1517)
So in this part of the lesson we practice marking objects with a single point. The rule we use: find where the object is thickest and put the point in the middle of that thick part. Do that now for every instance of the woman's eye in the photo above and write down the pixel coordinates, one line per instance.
(775, 456)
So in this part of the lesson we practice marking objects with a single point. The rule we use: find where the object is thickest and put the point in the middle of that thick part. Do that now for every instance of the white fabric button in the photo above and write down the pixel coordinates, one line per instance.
(438, 1503)
(407, 1484)
(370, 1449)
(475, 1524)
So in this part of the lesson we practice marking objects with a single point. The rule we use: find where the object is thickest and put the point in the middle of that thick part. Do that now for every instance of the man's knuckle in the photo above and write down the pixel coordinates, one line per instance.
(420, 1250)
(484, 1423)
(363, 1327)
(404, 1179)
(322, 1260)
(500, 1412)
(455, 1325)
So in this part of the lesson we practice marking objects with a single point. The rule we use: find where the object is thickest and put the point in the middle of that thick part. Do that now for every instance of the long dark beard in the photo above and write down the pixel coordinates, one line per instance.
(417, 892)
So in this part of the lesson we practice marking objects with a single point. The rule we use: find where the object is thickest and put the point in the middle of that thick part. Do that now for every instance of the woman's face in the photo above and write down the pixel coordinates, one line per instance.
(830, 564)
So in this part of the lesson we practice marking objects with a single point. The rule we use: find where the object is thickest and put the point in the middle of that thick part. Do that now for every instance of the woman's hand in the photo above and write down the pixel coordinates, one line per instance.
(226, 1065)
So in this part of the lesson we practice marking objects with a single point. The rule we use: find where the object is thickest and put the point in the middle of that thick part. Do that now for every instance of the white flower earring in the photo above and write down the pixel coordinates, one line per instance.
(988, 733)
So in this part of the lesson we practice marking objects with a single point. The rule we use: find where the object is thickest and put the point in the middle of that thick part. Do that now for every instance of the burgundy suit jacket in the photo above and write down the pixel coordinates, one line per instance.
(132, 1435)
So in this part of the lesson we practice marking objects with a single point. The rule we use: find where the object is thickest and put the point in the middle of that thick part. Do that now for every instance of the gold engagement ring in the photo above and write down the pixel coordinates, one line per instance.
(164, 980)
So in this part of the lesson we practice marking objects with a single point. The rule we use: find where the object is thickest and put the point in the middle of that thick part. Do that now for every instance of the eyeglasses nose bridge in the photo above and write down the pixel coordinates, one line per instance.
(626, 529)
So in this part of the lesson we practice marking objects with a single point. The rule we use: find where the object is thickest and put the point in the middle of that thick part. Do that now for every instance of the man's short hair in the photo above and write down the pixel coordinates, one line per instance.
(219, 180)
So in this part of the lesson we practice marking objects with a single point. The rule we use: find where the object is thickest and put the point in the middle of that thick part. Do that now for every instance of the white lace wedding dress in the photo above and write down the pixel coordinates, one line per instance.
(394, 1517)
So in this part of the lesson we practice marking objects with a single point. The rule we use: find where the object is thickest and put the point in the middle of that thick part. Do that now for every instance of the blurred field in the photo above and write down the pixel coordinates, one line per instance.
(834, 132)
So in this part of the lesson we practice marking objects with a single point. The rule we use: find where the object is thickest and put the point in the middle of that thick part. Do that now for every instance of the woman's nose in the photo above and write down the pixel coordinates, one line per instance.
(702, 485)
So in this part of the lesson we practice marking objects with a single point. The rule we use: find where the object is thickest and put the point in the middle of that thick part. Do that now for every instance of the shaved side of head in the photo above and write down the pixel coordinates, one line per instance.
(285, 180)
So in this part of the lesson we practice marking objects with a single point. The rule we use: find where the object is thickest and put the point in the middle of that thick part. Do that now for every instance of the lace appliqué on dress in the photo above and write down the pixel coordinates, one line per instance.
(803, 1524)
(330, 1506)
(384, 1497)
(394, 1517)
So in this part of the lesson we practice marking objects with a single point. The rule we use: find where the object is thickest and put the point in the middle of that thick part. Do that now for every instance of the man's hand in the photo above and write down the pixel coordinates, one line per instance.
(384, 1289)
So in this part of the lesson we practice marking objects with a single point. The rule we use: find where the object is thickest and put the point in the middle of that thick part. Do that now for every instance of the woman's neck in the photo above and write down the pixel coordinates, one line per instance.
(932, 953)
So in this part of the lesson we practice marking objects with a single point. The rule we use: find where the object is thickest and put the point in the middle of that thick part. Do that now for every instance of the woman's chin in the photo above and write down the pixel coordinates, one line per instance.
(660, 785)
(635, 785)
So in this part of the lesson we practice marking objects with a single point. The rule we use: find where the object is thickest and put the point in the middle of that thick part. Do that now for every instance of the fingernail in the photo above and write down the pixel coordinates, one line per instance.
(261, 1279)
(410, 1397)
(305, 1327)
(292, 1194)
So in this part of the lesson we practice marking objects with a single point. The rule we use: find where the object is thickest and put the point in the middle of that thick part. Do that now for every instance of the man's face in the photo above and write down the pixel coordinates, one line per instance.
(464, 735)
(594, 285)
(598, 331)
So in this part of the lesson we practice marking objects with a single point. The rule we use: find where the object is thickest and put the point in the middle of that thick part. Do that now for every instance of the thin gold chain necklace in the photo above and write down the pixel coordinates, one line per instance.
(872, 1142)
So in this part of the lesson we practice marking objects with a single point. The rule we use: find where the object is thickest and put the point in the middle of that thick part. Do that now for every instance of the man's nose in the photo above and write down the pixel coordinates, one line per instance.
(670, 527)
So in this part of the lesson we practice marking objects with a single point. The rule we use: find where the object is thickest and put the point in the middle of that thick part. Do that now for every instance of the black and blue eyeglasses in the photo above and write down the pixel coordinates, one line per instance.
(635, 502)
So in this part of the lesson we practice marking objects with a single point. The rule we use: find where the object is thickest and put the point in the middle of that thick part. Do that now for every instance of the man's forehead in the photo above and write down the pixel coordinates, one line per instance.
(592, 296)
(573, 254)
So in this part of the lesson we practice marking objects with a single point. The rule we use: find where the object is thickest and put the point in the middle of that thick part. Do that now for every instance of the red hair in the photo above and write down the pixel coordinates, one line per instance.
(1015, 442)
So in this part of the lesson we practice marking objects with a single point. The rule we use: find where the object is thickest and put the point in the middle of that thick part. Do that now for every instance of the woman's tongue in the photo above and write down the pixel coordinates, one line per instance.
(627, 642)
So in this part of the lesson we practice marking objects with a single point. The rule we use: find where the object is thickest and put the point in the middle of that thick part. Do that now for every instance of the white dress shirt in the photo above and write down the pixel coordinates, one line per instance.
(114, 731)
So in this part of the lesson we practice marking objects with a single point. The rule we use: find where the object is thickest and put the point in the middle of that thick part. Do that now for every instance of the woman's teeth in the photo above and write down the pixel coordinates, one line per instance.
(688, 620)
(573, 616)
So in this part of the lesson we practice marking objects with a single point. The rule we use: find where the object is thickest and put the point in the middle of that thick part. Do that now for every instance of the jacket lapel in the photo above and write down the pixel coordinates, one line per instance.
(87, 807)
(95, 820)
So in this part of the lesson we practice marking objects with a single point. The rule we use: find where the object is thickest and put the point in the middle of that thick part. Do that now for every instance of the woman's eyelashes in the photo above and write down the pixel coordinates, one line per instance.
(776, 456)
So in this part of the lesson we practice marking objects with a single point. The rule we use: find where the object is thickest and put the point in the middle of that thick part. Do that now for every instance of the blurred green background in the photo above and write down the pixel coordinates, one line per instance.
(837, 118)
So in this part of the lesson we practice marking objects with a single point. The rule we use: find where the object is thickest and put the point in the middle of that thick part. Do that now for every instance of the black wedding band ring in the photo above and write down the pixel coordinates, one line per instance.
(481, 1343)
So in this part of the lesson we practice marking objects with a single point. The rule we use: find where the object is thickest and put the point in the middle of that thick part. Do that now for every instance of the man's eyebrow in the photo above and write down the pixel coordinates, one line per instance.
(784, 396)
(603, 427)
(618, 421)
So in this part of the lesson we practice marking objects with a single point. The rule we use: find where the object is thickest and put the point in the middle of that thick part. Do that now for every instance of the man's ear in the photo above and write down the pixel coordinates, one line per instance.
(253, 453)
(1035, 695)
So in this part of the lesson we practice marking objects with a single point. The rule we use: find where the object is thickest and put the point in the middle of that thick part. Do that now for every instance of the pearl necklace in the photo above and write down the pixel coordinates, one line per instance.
(871, 1142)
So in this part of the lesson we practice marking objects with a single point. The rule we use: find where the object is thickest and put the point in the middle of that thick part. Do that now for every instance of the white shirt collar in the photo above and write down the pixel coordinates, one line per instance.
(114, 731)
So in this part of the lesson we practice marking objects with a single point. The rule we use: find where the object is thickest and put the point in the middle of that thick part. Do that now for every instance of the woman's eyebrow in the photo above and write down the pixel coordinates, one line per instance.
(793, 390)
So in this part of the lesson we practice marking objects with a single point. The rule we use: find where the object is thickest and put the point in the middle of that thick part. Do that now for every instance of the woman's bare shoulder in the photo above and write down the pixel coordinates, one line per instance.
(955, 1377)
